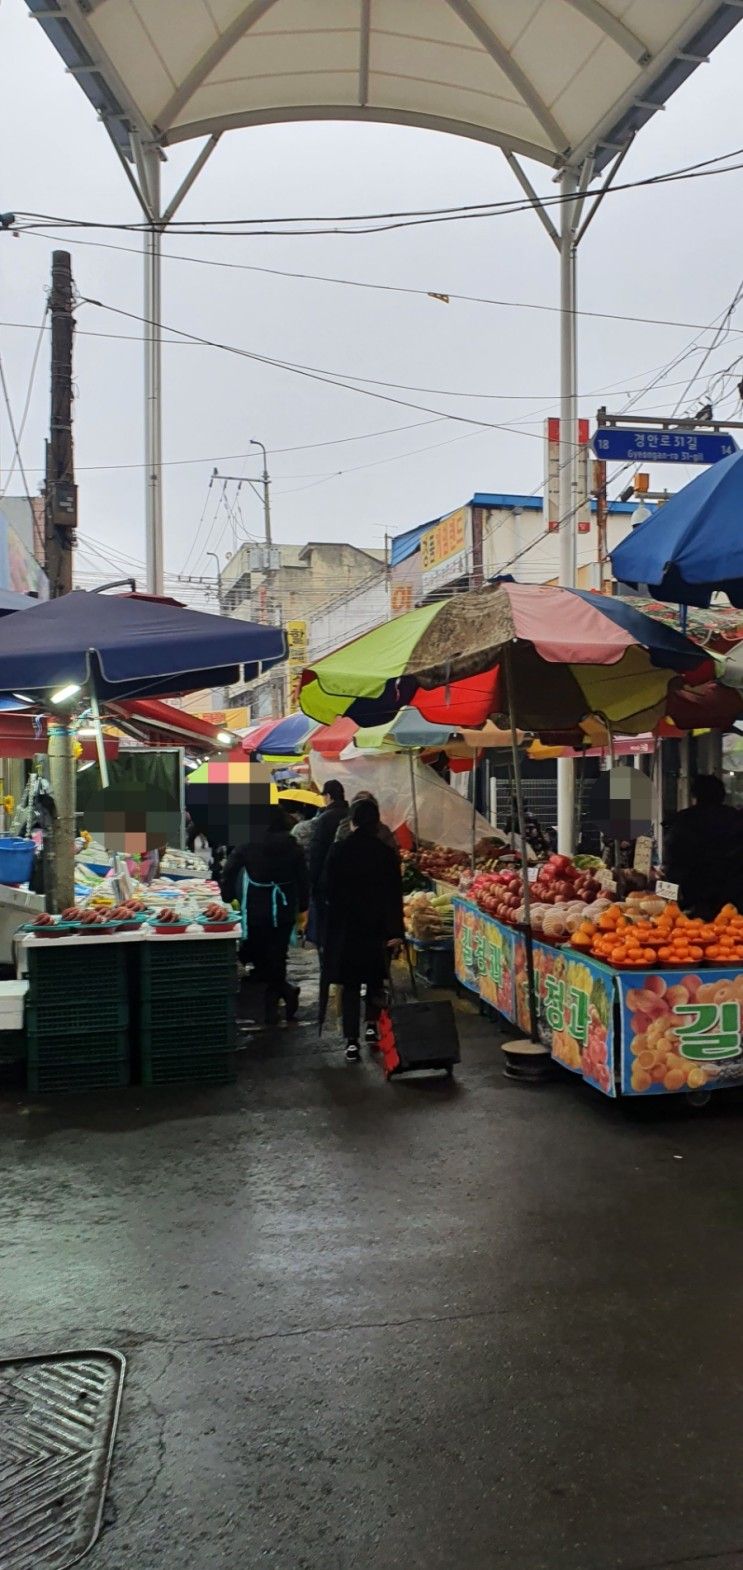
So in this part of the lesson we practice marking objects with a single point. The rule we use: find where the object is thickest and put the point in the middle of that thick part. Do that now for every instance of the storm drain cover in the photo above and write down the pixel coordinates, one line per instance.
(58, 1420)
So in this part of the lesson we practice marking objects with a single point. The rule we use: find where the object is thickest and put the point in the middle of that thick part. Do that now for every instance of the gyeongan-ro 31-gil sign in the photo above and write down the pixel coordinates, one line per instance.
(647, 446)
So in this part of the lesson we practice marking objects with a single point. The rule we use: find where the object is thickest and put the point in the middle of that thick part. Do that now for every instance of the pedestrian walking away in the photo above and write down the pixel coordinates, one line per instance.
(364, 919)
(384, 833)
(324, 830)
(268, 876)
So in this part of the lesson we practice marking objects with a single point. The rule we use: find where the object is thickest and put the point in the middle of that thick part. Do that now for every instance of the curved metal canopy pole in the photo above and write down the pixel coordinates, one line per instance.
(153, 355)
(574, 183)
(148, 158)
(568, 469)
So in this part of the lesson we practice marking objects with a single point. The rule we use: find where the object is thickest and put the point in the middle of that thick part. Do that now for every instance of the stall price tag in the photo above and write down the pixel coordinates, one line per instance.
(532, 874)
(643, 858)
(667, 890)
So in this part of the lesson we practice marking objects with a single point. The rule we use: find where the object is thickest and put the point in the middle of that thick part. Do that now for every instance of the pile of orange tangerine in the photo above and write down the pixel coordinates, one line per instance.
(670, 938)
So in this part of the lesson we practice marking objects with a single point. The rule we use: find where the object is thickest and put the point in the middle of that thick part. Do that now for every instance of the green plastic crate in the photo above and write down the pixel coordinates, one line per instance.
(212, 1068)
(65, 1076)
(435, 966)
(187, 969)
(51, 1014)
(89, 1047)
(96, 964)
(188, 1041)
(189, 1013)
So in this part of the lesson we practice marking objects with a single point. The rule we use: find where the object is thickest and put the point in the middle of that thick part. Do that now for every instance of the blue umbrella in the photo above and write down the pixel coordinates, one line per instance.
(693, 545)
(288, 738)
(117, 646)
(407, 730)
(11, 600)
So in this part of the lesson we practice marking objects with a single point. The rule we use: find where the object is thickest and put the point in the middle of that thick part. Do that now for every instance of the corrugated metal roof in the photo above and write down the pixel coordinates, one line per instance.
(404, 545)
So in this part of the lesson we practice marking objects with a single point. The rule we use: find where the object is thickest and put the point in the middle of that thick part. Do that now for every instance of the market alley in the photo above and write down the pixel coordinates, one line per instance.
(410, 1325)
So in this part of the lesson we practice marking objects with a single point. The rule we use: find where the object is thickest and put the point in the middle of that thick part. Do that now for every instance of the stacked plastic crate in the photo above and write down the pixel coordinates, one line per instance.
(187, 1025)
(77, 1016)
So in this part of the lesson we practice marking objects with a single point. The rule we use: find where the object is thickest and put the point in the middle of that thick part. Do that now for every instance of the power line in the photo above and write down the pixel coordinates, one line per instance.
(18, 437)
(365, 223)
(445, 296)
(328, 378)
(443, 392)
(682, 354)
(722, 332)
(13, 432)
(310, 372)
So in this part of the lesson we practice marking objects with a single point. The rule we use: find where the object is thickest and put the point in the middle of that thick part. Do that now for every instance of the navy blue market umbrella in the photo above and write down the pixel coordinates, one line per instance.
(11, 600)
(118, 646)
(693, 544)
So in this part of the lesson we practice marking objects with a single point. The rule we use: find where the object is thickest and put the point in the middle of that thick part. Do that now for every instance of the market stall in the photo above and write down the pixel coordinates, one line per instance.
(126, 982)
(644, 1005)
(142, 1002)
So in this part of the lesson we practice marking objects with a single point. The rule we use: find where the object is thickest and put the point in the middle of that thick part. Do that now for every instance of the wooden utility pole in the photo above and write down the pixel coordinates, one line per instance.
(602, 516)
(60, 500)
(60, 524)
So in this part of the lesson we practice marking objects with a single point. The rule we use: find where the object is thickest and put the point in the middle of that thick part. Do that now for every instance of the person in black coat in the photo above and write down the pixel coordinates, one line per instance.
(268, 876)
(364, 918)
(704, 851)
(324, 830)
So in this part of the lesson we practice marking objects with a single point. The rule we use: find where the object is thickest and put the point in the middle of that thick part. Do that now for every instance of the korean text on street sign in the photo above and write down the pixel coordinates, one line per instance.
(646, 446)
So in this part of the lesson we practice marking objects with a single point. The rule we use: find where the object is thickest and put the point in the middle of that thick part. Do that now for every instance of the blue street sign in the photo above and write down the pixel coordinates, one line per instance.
(646, 446)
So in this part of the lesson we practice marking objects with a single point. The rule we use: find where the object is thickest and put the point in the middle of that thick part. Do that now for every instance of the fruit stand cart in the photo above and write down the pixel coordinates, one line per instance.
(634, 1031)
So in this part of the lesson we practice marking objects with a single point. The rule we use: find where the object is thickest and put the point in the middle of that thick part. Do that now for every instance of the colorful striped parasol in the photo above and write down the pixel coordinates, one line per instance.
(571, 653)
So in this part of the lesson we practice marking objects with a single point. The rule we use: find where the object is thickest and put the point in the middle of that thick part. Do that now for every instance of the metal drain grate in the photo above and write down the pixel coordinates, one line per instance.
(58, 1419)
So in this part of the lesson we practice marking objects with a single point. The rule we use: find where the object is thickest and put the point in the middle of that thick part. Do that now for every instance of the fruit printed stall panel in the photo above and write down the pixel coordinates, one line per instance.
(484, 957)
(575, 1011)
(575, 998)
(674, 1031)
(681, 1032)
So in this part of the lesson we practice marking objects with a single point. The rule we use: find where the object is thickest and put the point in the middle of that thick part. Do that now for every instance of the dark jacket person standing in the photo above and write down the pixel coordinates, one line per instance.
(704, 851)
(365, 918)
(324, 829)
(268, 877)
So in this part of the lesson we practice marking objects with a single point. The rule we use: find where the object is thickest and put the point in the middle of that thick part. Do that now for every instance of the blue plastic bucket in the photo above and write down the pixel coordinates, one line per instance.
(16, 859)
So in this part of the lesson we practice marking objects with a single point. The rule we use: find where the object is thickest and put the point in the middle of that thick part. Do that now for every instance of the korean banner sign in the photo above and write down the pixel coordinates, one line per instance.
(574, 995)
(484, 957)
(575, 1006)
(681, 1032)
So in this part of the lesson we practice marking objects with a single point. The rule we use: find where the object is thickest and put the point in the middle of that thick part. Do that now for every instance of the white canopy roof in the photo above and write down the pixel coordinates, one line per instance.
(554, 80)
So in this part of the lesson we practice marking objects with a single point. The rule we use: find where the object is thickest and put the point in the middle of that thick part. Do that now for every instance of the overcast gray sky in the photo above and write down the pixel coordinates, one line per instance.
(668, 252)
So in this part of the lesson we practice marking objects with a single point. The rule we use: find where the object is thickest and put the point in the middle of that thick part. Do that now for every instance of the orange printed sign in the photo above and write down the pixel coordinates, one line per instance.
(445, 539)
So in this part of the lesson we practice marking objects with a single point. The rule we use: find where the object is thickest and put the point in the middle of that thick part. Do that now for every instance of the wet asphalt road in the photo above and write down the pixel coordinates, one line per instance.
(374, 1326)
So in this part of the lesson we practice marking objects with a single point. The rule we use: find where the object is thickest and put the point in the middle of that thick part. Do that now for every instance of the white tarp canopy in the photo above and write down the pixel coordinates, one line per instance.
(438, 812)
(554, 80)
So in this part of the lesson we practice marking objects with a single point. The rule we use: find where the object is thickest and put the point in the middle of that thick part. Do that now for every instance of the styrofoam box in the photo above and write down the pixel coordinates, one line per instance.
(12, 998)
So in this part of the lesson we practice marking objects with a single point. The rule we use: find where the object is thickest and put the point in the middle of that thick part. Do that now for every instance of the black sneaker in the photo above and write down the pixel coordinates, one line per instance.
(353, 1052)
(371, 1037)
(292, 1003)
